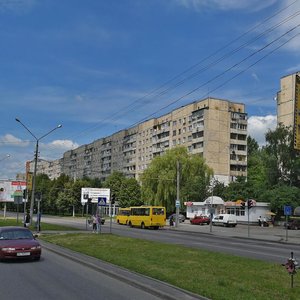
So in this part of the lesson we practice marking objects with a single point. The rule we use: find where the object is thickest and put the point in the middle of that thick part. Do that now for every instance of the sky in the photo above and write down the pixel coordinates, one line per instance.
(97, 67)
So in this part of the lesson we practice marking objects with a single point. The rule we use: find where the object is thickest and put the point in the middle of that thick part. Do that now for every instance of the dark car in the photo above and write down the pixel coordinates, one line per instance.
(181, 217)
(293, 224)
(200, 220)
(18, 242)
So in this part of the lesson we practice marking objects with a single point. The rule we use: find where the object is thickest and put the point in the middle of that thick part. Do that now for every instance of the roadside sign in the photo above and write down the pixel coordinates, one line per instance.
(287, 210)
(101, 201)
(94, 194)
(177, 203)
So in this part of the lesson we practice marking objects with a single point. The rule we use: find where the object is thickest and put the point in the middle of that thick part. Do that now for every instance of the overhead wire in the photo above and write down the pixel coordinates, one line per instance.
(218, 76)
(123, 110)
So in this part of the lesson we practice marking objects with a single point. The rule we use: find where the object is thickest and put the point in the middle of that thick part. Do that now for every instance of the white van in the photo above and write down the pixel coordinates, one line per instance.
(224, 220)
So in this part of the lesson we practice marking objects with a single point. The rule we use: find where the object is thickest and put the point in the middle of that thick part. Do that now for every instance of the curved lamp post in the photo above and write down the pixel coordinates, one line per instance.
(35, 162)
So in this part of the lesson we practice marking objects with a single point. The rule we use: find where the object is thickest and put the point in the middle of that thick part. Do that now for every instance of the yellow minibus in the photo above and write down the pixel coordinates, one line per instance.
(147, 216)
(122, 216)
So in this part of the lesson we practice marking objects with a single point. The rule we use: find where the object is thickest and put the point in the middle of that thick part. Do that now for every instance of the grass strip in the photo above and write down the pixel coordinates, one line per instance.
(213, 275)
(44, 226)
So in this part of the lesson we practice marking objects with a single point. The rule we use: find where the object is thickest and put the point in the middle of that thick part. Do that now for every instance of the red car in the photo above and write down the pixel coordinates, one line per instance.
(18, 242)
(200, 220)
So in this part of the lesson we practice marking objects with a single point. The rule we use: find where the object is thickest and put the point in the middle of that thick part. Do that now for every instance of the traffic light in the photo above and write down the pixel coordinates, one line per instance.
(243, 205)
(24, 193)
(250, 203)
(113, 199)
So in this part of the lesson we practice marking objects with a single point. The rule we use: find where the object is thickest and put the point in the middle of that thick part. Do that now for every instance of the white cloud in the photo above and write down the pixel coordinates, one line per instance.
(63, 144)
(254, 75)
(17, 6)
(55, 149)
(226, 5)
(258, 127)
(292, 69)
(11, 140)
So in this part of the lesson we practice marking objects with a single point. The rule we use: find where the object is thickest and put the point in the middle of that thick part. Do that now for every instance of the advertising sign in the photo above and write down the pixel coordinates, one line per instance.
(9, 189)
(93, 194)
(29, 180)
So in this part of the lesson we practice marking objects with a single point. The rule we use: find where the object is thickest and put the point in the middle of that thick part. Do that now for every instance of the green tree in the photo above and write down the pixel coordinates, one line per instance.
(130, 193)
(281, 155)
(252, 146)
(159, 180)
(43, 185)
(237, 190)
(281, 195)
(127, 191)
(57, 186)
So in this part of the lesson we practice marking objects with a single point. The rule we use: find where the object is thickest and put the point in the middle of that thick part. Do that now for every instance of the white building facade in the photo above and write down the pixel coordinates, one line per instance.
(218, 206)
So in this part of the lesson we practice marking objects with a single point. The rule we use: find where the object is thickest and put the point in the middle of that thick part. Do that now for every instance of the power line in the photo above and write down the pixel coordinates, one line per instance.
(123, 111)
(221, 74)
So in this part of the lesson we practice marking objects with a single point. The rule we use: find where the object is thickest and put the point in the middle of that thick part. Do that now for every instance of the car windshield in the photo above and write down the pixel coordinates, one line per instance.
(15, 235)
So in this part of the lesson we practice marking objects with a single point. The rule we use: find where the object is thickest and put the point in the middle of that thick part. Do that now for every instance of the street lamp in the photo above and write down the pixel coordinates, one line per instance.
(35, 162)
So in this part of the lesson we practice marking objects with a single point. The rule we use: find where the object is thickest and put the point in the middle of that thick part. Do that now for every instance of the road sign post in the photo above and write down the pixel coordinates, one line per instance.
(287, 212)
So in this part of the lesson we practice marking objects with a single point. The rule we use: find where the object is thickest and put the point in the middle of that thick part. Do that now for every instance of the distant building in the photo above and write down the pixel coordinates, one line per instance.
(51, 168)
(286, 100)
(288, 105)
(213, 128)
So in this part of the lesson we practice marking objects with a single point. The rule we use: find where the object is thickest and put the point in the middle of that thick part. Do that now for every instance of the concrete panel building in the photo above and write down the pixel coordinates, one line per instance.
(286, 100)
(213, 128)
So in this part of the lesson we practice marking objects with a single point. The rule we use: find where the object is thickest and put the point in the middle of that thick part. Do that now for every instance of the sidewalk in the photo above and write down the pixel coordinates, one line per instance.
(274, 234)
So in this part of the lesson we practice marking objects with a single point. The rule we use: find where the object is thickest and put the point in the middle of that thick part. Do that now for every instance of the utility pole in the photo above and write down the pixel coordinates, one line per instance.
(211, 213)
(177, 204)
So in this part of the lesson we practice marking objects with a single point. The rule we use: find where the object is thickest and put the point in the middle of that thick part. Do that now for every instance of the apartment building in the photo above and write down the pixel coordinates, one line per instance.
(213, 128)
(288, 104)
(51, 168)
(286, 99)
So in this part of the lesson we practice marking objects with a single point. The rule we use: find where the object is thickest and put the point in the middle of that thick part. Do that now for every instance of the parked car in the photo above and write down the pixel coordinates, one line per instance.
(200, 220)
(293, 224)
(18, 242)
(181, 217)
(225, 220)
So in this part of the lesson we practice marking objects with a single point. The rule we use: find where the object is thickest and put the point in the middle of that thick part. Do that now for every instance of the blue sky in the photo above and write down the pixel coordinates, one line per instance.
(98, 67)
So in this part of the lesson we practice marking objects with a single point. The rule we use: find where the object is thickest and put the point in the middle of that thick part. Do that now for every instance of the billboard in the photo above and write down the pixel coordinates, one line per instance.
(94, 194)
(297, 115)
(11, 188)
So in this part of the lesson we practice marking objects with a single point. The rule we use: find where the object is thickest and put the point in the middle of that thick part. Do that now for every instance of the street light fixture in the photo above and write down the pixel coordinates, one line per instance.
(35, 162)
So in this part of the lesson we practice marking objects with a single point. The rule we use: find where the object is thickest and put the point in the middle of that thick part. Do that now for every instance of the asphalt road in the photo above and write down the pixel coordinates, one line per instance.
(57, 277)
